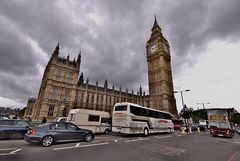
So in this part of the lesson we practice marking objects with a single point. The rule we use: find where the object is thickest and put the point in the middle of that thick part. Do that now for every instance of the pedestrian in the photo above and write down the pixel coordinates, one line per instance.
(29, 119)
(44, 120)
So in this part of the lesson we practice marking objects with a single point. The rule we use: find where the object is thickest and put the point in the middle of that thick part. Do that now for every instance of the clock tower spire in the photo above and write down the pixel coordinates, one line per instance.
(159, 71)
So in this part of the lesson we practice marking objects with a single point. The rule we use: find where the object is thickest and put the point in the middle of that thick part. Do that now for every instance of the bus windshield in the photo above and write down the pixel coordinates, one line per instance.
(121, 108)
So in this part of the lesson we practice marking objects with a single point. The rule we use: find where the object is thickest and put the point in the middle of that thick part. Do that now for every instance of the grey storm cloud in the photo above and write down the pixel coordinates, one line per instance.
(111, 35)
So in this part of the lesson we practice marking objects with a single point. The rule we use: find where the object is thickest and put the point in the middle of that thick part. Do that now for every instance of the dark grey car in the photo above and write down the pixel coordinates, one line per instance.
(13, 129)
(49, 133)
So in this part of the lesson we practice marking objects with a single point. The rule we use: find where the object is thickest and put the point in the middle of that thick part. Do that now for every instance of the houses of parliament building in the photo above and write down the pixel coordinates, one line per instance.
(62, 89)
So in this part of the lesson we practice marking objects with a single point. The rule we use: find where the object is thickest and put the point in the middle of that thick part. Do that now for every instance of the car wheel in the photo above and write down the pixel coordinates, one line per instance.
(47, 141)
(145, 132)
(107, 131)
(88, 137)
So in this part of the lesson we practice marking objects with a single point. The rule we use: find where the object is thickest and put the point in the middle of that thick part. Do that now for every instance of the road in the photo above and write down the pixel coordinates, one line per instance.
(113, 147)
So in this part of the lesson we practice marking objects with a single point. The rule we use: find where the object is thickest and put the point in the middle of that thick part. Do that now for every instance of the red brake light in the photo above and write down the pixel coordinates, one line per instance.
(32, 132)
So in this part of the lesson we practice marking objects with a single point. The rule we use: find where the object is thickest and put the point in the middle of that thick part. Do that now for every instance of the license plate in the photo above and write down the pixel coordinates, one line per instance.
(220, 135)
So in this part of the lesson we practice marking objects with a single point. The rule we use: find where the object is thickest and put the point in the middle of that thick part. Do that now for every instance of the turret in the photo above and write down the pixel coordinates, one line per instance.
(156, 30)
(113, 87)
(97, 83)
(140, 90)
(68, 57)
(155, 27)
(81, 80)
(79, 58)
(56, 51)
(105, 84)
(87, 81)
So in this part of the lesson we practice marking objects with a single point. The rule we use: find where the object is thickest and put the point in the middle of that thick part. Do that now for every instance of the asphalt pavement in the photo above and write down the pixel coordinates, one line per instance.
(115, 147)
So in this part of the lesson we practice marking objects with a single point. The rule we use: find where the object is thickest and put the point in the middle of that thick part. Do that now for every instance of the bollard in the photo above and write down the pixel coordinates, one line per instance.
(190, 130)
(198, 129)
(183, 130)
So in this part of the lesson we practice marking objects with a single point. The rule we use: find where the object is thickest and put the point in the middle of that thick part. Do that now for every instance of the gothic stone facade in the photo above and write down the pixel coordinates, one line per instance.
(61, 90)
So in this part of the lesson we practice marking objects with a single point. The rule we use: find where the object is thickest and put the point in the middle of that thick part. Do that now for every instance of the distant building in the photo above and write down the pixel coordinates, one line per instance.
(2, 110)
(9, 111)
(61, 90)
(30, 106)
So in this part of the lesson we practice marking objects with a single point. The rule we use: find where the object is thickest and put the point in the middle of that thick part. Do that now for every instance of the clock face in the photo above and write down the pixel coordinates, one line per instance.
(153, 48)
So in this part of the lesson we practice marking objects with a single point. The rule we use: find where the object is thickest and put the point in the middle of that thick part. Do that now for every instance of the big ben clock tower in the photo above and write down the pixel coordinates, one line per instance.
(159, 72)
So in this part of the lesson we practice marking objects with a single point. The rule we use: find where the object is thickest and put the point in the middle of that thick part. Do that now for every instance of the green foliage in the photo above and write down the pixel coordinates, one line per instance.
(21, 112)
(235, 118)
(198, 115)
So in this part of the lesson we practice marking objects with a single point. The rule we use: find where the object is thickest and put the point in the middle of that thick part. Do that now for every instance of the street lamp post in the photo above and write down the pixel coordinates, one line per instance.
(184, 112)
(181, 92)
(203, 104)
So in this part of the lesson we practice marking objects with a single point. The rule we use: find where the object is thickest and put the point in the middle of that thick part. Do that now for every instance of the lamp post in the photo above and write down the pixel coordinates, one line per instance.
(184, 112)
(181, 92)
(203, 104)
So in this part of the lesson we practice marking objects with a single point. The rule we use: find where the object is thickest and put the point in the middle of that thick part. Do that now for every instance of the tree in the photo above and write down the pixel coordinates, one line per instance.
(235, 118)
(21, 112)
(198, 115)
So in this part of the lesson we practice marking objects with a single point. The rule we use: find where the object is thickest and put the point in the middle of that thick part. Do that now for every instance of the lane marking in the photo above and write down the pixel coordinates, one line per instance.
(162, 137)
(77, 144)
(7, 153)
(9, 149)
(233, 156)
(15, 150)
(139, 139)
(80, 146)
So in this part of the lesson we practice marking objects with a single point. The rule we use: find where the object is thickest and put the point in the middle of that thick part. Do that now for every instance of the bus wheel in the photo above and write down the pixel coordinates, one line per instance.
(145, 132)
(107, 131)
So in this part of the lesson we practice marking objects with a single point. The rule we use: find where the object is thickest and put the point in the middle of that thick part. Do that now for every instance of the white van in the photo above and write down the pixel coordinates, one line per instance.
(97, 121)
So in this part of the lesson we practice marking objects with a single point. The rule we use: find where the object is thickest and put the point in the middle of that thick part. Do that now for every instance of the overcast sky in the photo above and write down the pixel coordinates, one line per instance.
(204, 37)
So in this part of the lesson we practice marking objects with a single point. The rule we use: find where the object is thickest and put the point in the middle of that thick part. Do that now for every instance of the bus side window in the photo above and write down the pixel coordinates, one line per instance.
(135, 110)
(145, 112)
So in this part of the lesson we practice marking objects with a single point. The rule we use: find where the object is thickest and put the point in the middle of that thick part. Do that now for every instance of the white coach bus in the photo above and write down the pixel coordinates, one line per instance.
(97, 121)
(129, 118)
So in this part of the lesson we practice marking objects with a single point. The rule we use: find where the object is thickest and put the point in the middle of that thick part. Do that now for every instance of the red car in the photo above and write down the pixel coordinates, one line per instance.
(177, 124)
